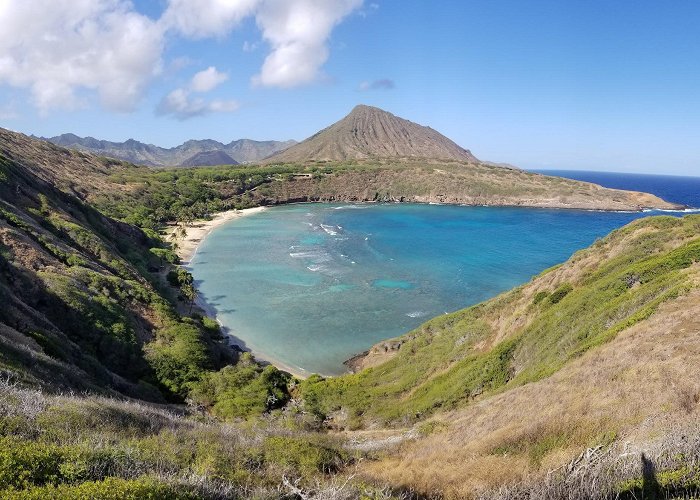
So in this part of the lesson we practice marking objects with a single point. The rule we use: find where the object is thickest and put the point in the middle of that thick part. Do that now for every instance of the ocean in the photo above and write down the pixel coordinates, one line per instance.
(675, 188)
(310, 285)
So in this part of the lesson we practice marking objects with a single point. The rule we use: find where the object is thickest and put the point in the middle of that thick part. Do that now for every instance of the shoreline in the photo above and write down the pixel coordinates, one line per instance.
(197, 231)
(240, 346)
(187, 246)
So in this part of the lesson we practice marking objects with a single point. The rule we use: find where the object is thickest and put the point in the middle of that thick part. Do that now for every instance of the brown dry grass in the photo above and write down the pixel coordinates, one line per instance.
(632, 389)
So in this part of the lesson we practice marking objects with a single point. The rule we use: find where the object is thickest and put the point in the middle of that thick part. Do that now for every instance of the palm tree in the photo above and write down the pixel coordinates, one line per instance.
(190, 293)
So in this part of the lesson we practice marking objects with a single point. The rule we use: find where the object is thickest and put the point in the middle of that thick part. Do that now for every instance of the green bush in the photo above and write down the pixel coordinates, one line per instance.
(242, 390)
(560, 293)
(540, 296)
(179, 356)
(111, 488)
(24, 464)
(302, 456)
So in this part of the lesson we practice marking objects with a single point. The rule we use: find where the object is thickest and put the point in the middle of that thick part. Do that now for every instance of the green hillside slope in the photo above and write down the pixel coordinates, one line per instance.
(523, 335)
(83, 307)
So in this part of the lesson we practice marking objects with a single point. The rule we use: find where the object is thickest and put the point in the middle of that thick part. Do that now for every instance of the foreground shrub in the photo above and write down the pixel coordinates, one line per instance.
(110, 489)
(303, 457)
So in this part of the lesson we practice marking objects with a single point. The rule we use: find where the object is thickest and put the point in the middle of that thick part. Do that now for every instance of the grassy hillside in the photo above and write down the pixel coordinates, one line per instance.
(83, 303)
(619, 421)
(86, 303)
(521, 336)
(68, 447)
(431, 181)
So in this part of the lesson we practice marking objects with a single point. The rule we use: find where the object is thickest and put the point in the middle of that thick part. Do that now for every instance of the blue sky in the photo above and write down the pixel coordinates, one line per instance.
(587, 84)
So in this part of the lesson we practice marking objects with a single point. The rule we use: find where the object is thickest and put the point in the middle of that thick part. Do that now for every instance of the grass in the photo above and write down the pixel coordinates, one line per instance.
(92, 447)
(668, 468)
(520, 337)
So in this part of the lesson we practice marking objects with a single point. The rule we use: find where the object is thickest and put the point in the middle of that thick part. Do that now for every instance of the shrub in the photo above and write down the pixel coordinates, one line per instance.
(178, 356)
(111, 488)
(300, 455)
(243, 390)
(560, 293)
(23, 464)
(540, 296)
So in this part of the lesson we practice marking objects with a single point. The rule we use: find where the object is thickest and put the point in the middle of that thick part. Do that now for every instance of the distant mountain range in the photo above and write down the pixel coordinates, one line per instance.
(369, 132)
(190, 154)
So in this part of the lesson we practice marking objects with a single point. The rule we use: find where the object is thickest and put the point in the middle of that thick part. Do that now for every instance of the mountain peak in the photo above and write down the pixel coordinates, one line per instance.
(371, 132)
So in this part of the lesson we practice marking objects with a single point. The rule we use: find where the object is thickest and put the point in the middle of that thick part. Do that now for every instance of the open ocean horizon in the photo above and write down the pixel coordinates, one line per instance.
(674, 188)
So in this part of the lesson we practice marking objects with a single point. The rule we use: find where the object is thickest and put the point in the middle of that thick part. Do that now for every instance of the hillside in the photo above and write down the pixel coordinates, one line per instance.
(430, 181)
(601, 351)
(369, 132)
(80, 291)
(240, 151)
(207, 158)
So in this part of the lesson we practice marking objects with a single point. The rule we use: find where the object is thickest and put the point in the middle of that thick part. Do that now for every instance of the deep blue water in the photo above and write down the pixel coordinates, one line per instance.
(310, 285)
(678, 189)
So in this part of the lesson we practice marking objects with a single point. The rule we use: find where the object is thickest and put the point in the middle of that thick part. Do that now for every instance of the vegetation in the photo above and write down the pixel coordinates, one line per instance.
(241, 391)
(89, 447)
(95, 306)
(157, 197)
(452, 360)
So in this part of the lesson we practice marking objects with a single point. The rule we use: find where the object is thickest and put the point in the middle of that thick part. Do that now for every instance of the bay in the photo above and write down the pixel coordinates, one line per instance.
(311, 285)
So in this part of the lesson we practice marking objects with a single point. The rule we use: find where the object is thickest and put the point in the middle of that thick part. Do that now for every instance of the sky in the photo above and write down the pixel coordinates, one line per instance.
(562, 84)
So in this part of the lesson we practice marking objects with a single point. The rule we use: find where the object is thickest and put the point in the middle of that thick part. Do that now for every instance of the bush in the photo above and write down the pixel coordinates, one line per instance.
(540, 296)
(302, 456)
(243, 390)
(24, 464)
(111, 488)
(178, 356)
(560, 293)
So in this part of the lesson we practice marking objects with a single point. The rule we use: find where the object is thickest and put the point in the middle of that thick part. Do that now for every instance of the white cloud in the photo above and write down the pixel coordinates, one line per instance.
(64, 51)
(206, 80)
(298, 31)
(383, 84)
(182, 105)
(206, 18)
(249, 46)
(55, 48)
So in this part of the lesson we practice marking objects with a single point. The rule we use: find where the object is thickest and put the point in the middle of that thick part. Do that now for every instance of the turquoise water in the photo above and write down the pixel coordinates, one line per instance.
(311, 285)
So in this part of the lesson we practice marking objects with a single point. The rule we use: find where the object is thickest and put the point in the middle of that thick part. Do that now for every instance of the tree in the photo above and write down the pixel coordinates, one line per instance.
(190, 293)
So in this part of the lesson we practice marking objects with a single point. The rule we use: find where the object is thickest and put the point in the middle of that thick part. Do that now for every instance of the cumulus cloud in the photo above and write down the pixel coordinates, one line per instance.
(383, 84)
(55, 48)
(206, 18)
(297, 32)
(181, 104)
(207, 80)
(64, 51)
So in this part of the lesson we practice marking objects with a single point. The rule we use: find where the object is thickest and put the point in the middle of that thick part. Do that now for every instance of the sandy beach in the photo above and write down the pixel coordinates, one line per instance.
(187, 246)
(196, 231)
